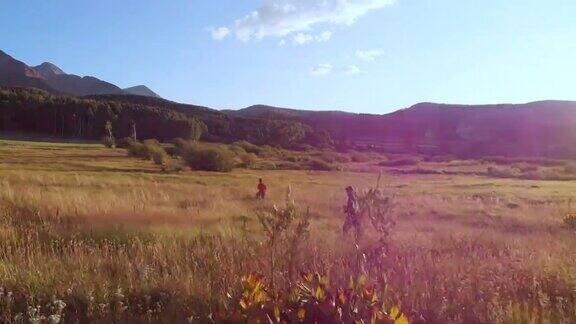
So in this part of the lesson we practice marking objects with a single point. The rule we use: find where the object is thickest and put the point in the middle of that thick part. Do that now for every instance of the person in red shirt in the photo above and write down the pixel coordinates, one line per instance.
(261, 190)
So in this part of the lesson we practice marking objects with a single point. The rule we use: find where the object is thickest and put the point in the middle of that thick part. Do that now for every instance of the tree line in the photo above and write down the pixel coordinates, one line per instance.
(38, 112)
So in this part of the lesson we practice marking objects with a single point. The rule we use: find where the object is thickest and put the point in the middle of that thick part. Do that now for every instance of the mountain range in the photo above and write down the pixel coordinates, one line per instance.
(543, 128)
(49, 77)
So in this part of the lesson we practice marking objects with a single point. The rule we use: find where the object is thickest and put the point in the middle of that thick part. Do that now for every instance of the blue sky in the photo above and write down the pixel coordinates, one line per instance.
(370, 56)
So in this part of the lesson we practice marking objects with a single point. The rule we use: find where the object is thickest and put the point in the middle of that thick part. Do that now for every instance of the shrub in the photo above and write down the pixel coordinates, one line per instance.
(301, 147)
(209, 159)
(248, 160)
(360, 157)
(238, 150)
(150, 149)
(268, 151)
(136, 149)
(525, 167)
(287, 165)
(342, 158)
(267, 165)
(497, 172)
(248, 147)
(108, 141)
(441, 158)
(160, 157)
(328, 157)
(533, 160)
(400, 162)
(319, 165)
(180, 143)
(310, 299)
(172, 150)
(151, 142)
(292, 158)
(296, 158)
(124, 142)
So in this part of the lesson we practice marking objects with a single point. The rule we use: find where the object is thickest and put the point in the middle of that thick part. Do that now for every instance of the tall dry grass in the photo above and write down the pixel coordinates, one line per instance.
(114, 239)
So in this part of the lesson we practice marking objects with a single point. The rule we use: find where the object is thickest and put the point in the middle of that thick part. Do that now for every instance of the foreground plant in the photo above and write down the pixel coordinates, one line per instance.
(313, 301)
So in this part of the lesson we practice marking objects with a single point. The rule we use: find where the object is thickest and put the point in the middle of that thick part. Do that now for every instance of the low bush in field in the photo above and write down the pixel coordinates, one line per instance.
(319, 165)
(108, 141)
(160, 157)
(332, 157)
(209, 159)
(150, 149)
(360, 157)
(531, 160)
(302, 147)
(180, 144)
(248, 160)
(288, 165)
(441, 158)
(267, 151)
(526, 167)
(328, 157)
(400, 162)
(124, 142)
(238, 150)
(248, 147)
(530, 172)
(137, 149)
(499, 172)
(268, 165)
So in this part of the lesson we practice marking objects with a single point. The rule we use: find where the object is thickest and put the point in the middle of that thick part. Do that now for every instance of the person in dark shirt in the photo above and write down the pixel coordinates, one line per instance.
(351, 210)
(261, 190)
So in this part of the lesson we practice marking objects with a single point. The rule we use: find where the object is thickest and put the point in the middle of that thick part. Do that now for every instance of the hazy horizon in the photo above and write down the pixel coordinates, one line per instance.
(366, 56)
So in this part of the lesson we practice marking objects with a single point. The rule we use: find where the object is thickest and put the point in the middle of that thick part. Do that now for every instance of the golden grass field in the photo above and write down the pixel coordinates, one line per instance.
(117, 239)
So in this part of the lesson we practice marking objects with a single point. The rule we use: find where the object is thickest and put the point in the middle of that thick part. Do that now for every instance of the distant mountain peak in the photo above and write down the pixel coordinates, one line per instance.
(142, 90)
(48, 69)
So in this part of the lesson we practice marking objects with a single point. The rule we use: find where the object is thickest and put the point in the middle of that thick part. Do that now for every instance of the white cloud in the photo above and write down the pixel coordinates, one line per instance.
(282, 42)
(370, 55)
(321, 69)
(219, 33)
(324, 37)
(280, 18)
(302, 39)
(352, 70)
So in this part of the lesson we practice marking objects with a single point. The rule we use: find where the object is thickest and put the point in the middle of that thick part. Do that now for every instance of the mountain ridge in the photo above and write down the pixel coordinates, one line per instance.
(141, 90)
(49, 77)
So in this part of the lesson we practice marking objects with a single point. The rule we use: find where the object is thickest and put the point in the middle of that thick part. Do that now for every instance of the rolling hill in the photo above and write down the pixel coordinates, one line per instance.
(544, 128)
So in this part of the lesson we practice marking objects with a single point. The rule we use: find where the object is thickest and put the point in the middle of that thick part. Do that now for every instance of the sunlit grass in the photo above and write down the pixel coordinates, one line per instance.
(103, 231)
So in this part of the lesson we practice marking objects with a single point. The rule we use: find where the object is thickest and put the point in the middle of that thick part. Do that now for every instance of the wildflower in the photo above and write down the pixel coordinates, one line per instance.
(59, 305)
(54, 319)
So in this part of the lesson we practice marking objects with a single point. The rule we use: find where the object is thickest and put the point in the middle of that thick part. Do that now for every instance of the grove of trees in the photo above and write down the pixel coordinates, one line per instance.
(38, 112)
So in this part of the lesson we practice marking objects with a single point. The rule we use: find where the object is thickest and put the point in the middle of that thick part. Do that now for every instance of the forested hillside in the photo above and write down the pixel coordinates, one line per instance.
(545, 128)
(42, 113)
